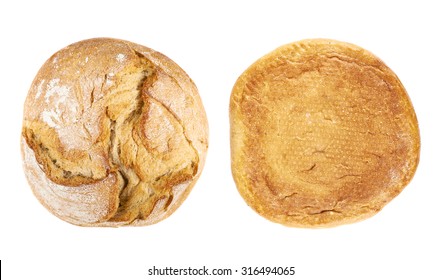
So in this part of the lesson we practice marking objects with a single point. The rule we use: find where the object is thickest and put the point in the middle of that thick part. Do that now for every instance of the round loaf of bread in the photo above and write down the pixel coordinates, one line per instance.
(114, 134)
(323, 133)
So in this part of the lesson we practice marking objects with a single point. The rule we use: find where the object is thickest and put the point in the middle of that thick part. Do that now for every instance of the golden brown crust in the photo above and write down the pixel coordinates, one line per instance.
(114, 133)
(322, 133)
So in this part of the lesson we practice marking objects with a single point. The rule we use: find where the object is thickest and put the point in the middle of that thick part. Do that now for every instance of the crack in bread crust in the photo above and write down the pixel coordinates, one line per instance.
(141, 192)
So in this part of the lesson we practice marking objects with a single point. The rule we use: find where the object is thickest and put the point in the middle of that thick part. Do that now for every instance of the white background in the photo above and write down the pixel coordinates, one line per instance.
(214, 42)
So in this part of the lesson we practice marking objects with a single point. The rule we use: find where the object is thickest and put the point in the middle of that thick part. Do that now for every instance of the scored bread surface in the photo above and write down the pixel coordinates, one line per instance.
(323, 133)
(114, 133)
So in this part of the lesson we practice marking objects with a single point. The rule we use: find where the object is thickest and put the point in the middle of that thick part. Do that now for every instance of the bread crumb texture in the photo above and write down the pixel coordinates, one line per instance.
(114, 134)
(323, 133)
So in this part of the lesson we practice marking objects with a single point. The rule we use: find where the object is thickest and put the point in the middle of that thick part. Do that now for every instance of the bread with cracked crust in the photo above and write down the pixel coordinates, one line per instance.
(114, 134)
(323, 133)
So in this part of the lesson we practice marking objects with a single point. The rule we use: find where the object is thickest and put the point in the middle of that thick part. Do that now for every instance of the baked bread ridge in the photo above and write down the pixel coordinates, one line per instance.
(114, 133)
(323, 133)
